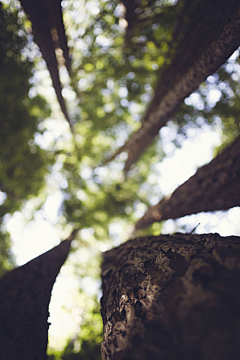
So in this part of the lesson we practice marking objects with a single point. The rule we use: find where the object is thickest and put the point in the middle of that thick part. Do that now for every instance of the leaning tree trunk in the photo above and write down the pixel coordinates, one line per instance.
(207, 44)
(24, 298)
(172, 297)
(215, 186)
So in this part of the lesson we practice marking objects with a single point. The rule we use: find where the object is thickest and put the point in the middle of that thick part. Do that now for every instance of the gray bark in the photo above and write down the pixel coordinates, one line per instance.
(172, 297)
(215, 186)
(24, 298)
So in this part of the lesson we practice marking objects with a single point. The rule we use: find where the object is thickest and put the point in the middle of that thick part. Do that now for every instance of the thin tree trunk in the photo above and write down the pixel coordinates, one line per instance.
(24, 298)
(215, 186)
(56, 20)
(42, 24)
(172, 297)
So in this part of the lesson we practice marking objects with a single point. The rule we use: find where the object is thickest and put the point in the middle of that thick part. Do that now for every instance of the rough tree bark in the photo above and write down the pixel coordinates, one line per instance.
(172, 297)
(215, 186)
(24, 298)
(206, 45)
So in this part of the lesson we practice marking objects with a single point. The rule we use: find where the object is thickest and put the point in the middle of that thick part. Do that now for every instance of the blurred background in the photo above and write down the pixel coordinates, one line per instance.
(53, 180)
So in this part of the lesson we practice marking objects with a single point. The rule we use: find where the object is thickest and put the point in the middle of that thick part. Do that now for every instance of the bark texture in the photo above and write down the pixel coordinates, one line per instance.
(24, 298)
(212, 35)
(215, 186)
(172, 297)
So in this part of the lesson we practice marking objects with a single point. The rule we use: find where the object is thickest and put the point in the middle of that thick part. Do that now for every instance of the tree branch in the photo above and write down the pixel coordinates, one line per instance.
(215, 186)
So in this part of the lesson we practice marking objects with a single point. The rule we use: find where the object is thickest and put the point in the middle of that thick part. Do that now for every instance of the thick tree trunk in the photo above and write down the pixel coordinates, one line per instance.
(172, 297)
(215, 186)
(24, 298)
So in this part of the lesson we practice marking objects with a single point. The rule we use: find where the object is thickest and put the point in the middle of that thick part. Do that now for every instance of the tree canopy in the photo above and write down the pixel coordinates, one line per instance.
(121, 72)
(23, 163)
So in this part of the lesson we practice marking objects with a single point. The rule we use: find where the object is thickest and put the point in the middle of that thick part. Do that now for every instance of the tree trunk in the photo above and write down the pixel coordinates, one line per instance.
(172, 297)
(215, 186)
(43, 23)
(24, 298)
(206, 45)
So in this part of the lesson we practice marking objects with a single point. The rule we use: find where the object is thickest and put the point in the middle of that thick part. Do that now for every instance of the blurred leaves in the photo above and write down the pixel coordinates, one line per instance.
(23, 164)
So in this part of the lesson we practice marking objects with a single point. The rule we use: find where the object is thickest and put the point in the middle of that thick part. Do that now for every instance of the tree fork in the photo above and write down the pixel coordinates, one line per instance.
(172, 297)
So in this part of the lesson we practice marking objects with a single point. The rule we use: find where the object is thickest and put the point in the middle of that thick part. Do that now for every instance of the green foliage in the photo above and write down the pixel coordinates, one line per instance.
(6, 257)
(89, 350)
(23, 164)
(114, 74)
(114, 77)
